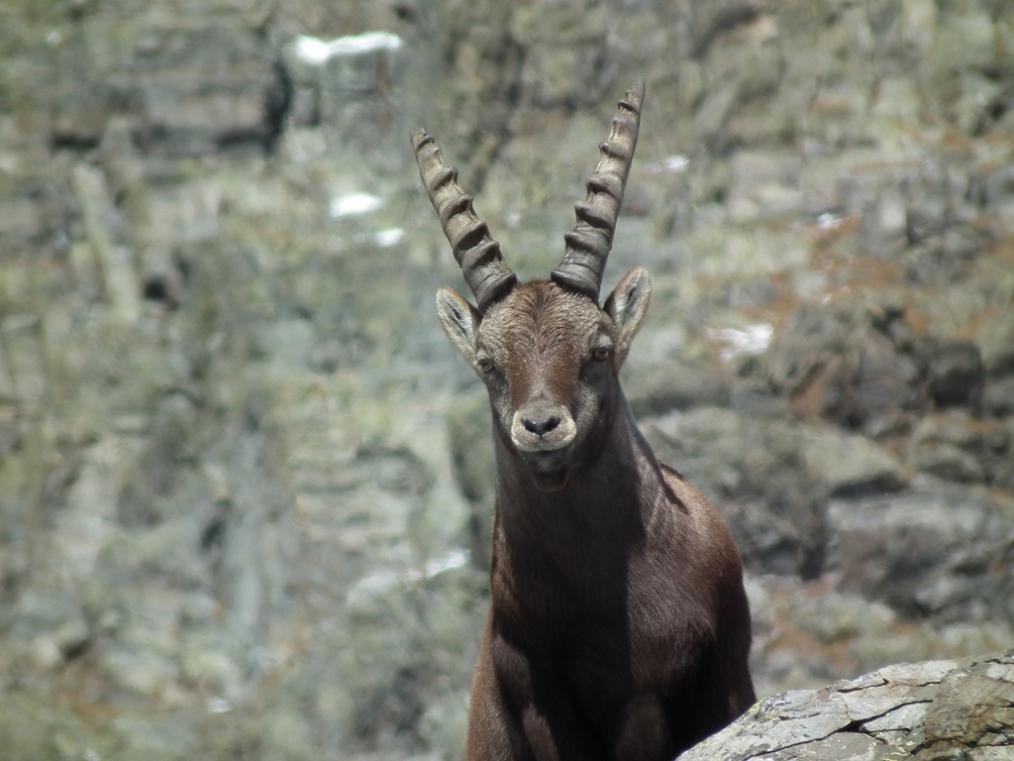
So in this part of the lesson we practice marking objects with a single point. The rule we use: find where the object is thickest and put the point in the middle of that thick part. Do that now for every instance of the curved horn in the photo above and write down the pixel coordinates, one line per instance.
(588, 243)
(481, 260)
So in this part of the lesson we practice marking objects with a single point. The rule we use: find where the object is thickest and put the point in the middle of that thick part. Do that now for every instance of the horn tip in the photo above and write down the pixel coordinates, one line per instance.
(634, 96)
(419, 137)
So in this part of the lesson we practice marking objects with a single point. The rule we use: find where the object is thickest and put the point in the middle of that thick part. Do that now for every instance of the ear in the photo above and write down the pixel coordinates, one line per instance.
(460, 320)
(627, 305)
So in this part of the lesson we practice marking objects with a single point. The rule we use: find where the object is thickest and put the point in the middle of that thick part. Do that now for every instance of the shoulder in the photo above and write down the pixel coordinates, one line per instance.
(706, 532)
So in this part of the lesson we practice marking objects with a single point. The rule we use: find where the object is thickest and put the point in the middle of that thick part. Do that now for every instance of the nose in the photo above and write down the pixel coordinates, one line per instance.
(542, 426)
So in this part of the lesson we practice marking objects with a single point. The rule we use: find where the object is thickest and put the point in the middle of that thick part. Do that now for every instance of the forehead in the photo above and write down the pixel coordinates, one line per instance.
(542, 315)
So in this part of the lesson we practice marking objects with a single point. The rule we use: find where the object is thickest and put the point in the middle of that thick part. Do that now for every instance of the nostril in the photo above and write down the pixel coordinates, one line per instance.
(539, 427)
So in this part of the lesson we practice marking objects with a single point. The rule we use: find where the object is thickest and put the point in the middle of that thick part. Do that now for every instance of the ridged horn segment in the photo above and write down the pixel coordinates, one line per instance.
(479, 256)
(588, 243)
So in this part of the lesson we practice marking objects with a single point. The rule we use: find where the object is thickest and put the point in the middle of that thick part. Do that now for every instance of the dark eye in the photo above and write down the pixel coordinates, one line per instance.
(485, 365)
(601, 353)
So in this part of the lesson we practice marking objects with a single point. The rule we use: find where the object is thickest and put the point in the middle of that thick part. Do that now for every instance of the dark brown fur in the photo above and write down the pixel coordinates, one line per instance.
(619, 627)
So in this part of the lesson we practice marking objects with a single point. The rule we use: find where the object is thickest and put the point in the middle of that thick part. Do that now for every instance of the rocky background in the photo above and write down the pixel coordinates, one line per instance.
(245, 481)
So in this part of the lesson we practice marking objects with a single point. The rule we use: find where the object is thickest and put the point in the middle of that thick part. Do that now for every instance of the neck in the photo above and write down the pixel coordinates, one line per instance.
(566, 554)
(603, 499)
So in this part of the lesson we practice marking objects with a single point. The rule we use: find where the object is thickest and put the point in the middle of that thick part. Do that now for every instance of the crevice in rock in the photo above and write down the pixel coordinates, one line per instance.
(778, 752)
(725, 21)
(278, 102)
(156, 288)
(75, 142)
(859, 725)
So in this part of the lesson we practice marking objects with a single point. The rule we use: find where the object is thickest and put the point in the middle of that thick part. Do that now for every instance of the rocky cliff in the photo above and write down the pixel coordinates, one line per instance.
(927, 711)
(244, 482)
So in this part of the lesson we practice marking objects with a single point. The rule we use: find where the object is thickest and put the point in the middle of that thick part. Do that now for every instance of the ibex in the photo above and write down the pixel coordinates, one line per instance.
(618, 626)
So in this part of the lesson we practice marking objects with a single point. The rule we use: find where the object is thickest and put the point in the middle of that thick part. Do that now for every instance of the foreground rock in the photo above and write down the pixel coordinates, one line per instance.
(927, 711)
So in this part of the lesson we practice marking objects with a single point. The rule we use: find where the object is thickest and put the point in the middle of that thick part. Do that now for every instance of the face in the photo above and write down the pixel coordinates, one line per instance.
(549, 359)
(545, 357)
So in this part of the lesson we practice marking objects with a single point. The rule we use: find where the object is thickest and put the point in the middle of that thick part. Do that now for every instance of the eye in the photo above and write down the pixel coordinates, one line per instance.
(601, 353)
(485, 365)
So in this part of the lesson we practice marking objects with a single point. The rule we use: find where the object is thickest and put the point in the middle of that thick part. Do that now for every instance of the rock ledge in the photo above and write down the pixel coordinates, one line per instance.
(931, 711)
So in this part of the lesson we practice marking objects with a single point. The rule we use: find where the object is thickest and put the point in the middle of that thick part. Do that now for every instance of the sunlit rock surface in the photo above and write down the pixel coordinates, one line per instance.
(245, 484)
(922, 711)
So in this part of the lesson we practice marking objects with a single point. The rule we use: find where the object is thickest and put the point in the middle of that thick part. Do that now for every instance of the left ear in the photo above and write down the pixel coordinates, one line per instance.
(627, 305)
(460, 320)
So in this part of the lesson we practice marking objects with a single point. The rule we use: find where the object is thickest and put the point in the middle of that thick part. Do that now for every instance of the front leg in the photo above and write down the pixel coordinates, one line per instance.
(493, 733)
(520, 711)
(644, 731)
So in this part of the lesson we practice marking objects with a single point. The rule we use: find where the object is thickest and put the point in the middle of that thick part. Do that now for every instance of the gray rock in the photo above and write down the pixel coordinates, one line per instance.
(935, 551)
(998, 398)
(761, 484)
(960, 448)
(849, 464)
(853, 368)
(997, 335)
(948, 462)
(244, 482)
(469, 435)
(35, 727)
(192, 89)
(956, 373)
(930, 710)
(836, 617)
(656, 387)
(772, 479)
(574, 76)
(959, 245)
(806, 634)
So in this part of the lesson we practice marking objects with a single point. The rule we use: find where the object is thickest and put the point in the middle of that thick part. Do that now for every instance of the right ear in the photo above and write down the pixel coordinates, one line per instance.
(627, 306)
(460, 321)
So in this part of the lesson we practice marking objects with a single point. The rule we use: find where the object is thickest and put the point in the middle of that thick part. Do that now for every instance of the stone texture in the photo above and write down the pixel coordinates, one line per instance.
(245, 484)
(857, 369)
(937, 551)
(957, 447)
(929, 710)
(956, 373)
(778, 515)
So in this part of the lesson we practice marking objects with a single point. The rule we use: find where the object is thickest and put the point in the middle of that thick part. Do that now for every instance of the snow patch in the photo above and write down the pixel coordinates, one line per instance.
(828, 221)
(317, 52)
(671, 164)
(219, 705)
(749, 341)
(354, 203)
(392, 236)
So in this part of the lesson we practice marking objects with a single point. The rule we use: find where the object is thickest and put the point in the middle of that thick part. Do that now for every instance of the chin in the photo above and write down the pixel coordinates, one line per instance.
(550, 481)
(549, 470)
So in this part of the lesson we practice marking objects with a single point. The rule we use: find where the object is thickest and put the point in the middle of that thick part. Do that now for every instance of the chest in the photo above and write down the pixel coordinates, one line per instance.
(607, 642)
(604, 686)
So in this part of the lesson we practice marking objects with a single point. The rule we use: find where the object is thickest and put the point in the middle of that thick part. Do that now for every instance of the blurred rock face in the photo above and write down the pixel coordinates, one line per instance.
(245, 486)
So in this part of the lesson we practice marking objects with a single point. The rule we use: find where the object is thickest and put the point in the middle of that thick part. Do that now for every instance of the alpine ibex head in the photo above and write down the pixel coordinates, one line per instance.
(547, 352)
